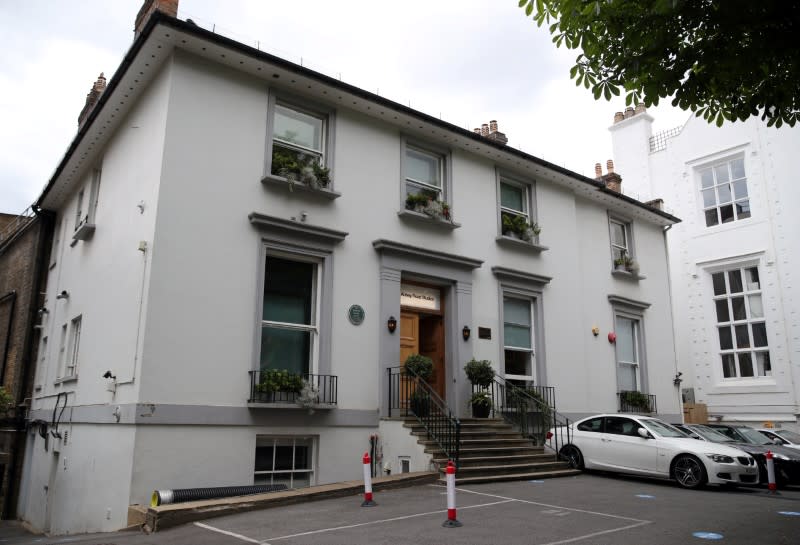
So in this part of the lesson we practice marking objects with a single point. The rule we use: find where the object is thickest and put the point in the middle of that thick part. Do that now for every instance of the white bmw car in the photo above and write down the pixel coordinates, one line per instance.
(640, 445)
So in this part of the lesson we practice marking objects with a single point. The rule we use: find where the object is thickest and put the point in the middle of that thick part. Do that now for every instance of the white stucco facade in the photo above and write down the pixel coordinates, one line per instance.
(766, 241)
(170, 287)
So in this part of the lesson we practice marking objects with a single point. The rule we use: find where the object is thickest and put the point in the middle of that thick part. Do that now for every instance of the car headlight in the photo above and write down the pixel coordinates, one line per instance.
(721, 458)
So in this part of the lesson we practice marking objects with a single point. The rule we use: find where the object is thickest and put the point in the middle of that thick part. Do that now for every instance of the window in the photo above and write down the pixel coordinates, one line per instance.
(518, 339)
(42, 363)
(628, 337)
(618, 425)
(424, 174)
(62, 349)
(300, 144)
(594, 424)
(79, 210)
(741, 325)
(284, 460)
(289, 316)
(516, 211)
(723, 187)
(620, 239)
(56, 243)
(71, 368)
(85, 211)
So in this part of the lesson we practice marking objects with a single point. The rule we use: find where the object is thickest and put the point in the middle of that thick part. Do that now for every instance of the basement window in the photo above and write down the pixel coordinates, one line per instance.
(284, 460)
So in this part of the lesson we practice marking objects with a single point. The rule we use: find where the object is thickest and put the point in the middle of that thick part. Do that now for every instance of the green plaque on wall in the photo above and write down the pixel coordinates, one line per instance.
(356, 314)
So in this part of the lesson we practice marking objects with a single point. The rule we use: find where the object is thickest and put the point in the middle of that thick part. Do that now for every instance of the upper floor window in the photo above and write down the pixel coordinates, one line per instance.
(71, 368)
(622, 252)
(724, 190)
(741, 325)
(516, 210)
(86, 209)
(79, 218)
(425, 181)
(300, 145)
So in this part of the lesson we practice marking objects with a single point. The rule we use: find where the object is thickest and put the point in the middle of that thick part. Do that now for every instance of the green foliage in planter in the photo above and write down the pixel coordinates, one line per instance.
(6, 401)
(280, 380)
(429, 206)
(298, 167)
(479, 372)
(419, 366)
(519, 226)
(415, 199)
(636, 399)
(481, 399)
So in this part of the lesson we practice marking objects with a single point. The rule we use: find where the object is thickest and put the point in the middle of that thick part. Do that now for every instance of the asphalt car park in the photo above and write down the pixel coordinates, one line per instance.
(591, 508)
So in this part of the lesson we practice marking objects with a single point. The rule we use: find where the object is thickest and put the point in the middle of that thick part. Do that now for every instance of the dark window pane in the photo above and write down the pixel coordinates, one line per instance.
(517, 362)
(285, 349)
(595, 424)
(302, 457)
(745, 365)
(711, 217)
(739, 312)
(725, 339)
(743, 209)
(726, 213)
(735, 279)
(283, 457)
(264, 458)
(719, 283)
(288, 287)
(751, 275)
(709, 198)
(740, 189)
(760, 334)
(728, 366)
(513, 197)
(724, 192)
(742, 336)
(722, 310)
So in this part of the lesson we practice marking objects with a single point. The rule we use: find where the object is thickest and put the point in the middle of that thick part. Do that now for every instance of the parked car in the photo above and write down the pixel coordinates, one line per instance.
(641, 445)
(787, 460)
(787, 438)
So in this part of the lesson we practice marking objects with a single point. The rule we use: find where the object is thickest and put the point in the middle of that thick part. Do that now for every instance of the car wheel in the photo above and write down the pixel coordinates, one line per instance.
(689, 471)
(573, 456)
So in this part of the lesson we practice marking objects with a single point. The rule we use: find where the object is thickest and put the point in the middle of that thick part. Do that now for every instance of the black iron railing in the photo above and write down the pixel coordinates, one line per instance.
(323, 391)
(532, 410)
(636, 402)
(410, 395)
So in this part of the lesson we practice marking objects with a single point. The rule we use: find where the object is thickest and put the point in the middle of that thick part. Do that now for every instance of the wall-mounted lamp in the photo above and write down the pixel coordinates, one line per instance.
(612, 337)
(63, 295)
(466, 332)
(391, 324)
(108, 374)
(677, 380)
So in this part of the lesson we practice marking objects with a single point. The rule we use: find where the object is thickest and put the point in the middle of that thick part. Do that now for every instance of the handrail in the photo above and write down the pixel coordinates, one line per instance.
(532, 411)
(410, 394)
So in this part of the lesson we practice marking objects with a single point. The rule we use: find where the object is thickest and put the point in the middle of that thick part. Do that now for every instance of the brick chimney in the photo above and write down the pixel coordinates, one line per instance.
(92, 98)
(495, 134)
(612, 180)
(167, 7)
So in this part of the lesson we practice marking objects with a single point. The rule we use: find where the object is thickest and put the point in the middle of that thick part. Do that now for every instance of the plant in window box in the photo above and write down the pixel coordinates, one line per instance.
(636, 400)
(518, 227)
(274, 381)
(300, 168)
(481, 403)
(429, 206)
(626, 262)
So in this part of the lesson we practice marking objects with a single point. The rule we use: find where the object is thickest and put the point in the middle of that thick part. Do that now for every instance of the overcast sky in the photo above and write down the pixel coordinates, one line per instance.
(468, 61)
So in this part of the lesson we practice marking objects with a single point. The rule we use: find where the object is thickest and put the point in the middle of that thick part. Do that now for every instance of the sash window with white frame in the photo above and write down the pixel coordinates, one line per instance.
(741, 325)
(289, 317)
(723, 187)
(518, 334)
(424, 173)
(298, 136)
(284, 460)
(627, 343)
(514, 201)
(620, 239)
(71, 368)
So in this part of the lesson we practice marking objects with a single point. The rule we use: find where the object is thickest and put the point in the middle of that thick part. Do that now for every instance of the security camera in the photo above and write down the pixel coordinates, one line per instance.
(108, 374)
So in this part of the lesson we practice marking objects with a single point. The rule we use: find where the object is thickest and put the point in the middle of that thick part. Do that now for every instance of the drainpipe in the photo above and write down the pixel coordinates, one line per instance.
(672, 318)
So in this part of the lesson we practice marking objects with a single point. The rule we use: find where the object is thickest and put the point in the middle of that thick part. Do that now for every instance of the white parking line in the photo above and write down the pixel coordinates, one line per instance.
(595, 534)
(227, 533)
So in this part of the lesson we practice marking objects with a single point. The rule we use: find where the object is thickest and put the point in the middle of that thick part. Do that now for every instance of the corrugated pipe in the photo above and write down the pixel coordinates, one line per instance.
(165, 497)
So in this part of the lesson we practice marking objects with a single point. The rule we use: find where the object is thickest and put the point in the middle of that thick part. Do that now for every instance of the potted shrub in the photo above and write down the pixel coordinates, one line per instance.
(479, 372)
(419, 366)
(481, 403)
(279, 380)
(425, 204)
(626, 262)
(299, 168)
(518, 227)
(420, 403)
(636, 400)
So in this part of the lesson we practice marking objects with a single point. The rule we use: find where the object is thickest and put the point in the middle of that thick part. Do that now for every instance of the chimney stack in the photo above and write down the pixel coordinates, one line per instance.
(484, 130)
(611, 179)
(629, 112)
(491, 132)
(91, 99)
(167, 7)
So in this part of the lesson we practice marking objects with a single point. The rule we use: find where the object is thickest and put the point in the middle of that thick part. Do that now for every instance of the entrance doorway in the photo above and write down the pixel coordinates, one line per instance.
(423, 333)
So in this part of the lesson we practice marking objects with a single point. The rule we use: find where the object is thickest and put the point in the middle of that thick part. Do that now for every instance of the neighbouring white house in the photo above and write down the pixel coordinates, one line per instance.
(223, 214)
(734, 259)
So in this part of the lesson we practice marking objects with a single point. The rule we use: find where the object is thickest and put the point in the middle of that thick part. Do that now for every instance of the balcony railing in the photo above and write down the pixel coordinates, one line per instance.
(324, 393)
(636, 402)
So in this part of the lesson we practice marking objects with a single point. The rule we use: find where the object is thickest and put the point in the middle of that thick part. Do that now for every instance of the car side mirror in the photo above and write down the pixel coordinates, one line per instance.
(644, 433)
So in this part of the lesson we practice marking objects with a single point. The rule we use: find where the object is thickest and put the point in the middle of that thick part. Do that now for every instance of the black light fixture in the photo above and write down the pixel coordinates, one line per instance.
(466, 332)
(391, 324)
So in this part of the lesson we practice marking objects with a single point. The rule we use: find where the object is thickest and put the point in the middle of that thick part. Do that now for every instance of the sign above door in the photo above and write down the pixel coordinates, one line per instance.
(419, 297)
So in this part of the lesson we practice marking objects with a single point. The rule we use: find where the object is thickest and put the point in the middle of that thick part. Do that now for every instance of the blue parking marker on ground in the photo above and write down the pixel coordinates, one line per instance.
(645, 496)
(707, 535)
(789, 513)
(536, 482)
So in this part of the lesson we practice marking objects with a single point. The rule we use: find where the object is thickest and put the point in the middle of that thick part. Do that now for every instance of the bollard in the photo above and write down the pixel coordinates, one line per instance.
(771, 472)
(367, 483)
(451, 521)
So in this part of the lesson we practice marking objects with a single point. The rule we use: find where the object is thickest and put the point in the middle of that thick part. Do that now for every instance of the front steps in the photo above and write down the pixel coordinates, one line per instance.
(492, 451)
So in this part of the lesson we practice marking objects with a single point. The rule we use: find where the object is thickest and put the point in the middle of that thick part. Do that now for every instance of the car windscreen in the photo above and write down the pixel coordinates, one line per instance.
(662, 428)
(754, 436)
(711, 435)
(790, 436)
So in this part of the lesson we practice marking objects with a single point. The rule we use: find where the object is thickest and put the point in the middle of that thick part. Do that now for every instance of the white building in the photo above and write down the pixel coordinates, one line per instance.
(183, 266)
(734, 259)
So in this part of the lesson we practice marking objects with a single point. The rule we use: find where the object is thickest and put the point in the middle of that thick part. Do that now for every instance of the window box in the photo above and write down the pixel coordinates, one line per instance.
(271, 180)
(293, 391)
(414, 216)
(627, 275)
(636, 402)
(532, 246)
(84, 230)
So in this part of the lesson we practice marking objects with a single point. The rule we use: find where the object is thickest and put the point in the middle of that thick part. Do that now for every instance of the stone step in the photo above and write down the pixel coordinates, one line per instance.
(477, 443)
(504, 469)
(489, 451)
(464, 481)
(469, 461)
(468, 434)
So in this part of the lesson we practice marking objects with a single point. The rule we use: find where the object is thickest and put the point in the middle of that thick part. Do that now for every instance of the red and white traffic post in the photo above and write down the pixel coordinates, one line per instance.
(771, 472)
(451, 521)
(367, 483)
